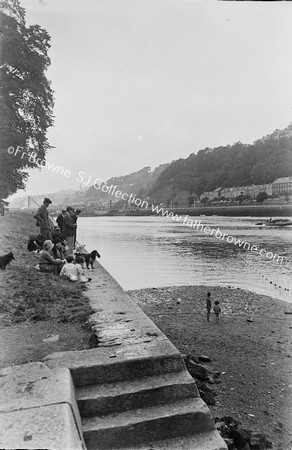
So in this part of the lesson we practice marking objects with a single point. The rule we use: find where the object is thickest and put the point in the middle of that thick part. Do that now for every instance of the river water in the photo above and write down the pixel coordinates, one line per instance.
(142, 252)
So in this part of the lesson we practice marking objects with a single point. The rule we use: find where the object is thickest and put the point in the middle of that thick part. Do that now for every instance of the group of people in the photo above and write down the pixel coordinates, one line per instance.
(56, 243)
(216, 308)
(67, 224)
(69, 267)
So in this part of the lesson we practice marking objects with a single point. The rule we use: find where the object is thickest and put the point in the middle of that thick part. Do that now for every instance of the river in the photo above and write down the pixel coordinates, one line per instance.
(143, 252)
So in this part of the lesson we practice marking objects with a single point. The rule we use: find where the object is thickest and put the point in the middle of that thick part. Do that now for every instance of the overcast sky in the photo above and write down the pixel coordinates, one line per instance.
(140, 83)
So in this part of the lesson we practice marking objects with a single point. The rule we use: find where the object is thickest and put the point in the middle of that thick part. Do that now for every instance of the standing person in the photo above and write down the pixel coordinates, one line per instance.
(75, 214)
(60, 219)
(69, 228)
(42, 217)
(208, 305)
(217, 310)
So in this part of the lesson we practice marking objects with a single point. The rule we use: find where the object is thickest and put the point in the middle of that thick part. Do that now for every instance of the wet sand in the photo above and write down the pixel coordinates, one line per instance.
(251, 347)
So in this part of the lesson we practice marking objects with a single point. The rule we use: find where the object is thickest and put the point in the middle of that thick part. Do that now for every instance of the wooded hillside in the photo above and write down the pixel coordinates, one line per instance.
(233, 165)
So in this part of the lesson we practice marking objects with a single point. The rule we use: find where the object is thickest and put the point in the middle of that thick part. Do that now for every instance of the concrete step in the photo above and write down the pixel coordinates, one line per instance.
(94, 366)
(138, 426)
(113, 397)
(202, 441)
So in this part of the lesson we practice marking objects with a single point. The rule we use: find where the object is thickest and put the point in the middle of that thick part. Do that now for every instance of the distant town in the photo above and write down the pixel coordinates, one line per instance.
(279, 190)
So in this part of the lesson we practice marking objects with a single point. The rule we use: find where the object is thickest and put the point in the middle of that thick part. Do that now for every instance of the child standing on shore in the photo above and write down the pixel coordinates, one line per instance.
(208, 305)
(217, 310)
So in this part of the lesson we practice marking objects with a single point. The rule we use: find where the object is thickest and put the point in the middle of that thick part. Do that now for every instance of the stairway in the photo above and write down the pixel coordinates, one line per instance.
(160, 410)
(133, 391)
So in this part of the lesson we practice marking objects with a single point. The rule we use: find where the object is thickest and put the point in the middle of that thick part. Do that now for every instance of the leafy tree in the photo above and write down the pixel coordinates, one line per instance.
(262, 196)
(205, 201)
(26, 97)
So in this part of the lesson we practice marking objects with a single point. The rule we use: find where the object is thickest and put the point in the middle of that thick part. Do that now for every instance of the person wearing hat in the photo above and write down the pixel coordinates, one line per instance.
(69, 228)
(42, 217)
(47, 262)
(57, 236)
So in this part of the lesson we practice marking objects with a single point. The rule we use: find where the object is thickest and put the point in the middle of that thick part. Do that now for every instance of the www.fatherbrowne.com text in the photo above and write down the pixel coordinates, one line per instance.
(100, 184)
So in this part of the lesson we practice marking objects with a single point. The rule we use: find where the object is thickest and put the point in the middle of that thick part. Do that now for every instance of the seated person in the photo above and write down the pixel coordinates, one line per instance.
(80, 249)
(40, 240)
(69, 269)
(47, 261)
(32, 245)
(57, 236)
(59, 251)
(81, 272)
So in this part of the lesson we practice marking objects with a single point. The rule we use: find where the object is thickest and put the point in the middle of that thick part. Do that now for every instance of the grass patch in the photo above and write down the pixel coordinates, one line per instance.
(27, 294)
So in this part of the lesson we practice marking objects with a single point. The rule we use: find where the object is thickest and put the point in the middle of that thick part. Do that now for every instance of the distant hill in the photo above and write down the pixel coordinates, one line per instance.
(138, 183)
(232, 165)
(239, 164)
(61, 197)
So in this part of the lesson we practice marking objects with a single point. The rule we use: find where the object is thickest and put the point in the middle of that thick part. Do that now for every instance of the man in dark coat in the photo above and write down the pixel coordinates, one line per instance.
(74, 215)
(43, 221)
(69, 228)
(60, 219)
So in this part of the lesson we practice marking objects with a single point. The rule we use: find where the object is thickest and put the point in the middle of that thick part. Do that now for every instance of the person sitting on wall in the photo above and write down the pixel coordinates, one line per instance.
(47, 262)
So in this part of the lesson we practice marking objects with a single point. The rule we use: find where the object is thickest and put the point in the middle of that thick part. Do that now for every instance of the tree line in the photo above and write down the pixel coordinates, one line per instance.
(233, 165)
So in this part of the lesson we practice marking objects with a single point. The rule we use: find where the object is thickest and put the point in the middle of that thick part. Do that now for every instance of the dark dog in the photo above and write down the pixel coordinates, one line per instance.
(6, 259)
(89, 258)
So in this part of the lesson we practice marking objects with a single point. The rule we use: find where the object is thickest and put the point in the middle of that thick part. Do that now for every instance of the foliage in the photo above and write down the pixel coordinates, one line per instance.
(205, 201)
(262, 196)
(26, 97)
(236, 165)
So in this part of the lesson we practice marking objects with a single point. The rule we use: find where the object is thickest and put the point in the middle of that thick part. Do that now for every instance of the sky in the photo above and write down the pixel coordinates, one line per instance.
(140, 83)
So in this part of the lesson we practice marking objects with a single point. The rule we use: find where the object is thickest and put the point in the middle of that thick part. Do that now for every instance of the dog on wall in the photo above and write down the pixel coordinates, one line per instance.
(89, 258)
(5, 260)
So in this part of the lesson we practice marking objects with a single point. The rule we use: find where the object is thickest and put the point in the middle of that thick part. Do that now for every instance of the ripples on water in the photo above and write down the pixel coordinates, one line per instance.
(145, 252)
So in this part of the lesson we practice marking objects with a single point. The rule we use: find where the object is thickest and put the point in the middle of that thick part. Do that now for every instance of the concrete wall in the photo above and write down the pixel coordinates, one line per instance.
(38, 408)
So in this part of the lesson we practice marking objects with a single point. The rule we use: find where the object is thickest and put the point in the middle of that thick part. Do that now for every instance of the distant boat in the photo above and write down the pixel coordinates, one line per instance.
(275, 223)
